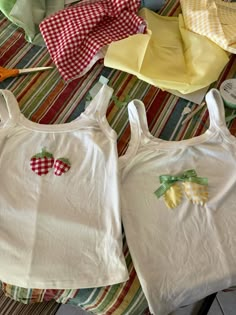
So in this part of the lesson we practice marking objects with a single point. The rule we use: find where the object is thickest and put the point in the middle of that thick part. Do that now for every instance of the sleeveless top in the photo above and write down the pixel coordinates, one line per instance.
(60, 224)
(179, 209)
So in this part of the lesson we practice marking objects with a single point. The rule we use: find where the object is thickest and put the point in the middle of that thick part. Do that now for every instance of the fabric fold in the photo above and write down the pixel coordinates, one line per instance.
(27, 14)
(168, 55)
(76, 36)
(215, 19)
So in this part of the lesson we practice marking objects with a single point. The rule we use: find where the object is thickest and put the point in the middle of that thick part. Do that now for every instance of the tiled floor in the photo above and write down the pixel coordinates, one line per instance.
(224, 304)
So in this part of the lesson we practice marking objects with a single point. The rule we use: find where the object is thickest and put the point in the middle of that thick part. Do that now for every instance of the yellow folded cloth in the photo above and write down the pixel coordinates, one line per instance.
(214, 19)
(168, 56)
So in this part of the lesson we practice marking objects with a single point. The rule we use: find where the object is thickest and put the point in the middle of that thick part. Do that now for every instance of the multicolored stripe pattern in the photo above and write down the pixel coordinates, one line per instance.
(10, 307)
(45, 98)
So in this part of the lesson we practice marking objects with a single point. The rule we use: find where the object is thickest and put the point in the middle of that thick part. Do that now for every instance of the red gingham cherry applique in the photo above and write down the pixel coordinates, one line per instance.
(61, 166)
(41, 163)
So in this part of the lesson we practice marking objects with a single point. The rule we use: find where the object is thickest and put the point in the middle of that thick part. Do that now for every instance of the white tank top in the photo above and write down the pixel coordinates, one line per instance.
(60, 224)
(179, 209)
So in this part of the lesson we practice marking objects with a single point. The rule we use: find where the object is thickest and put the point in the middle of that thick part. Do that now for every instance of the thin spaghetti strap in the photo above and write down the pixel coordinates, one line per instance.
(9, 108)
(137, 118)
(216, 109)
(138, 128)
(100, 102)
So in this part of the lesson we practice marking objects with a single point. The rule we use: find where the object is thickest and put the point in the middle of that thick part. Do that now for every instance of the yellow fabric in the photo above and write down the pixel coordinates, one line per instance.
(173, 196)
(214, 19)
(196, 193)
(168, 56)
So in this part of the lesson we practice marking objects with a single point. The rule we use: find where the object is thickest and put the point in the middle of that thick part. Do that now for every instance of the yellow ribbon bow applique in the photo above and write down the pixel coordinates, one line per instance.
(195, 188)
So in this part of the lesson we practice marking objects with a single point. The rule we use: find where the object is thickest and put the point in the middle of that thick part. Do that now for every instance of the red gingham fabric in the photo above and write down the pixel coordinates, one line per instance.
(76, 34)
(41, 166)
(60, 167)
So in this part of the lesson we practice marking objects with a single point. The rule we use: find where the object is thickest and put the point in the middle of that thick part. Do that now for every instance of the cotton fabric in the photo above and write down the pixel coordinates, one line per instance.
(215, 19)
(183, 254)
(168, 56)
(77, 36)
(60, 231)
(28, 14)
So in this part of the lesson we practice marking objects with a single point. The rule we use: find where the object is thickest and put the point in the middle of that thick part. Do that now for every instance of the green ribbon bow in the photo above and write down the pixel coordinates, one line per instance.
(188, 176)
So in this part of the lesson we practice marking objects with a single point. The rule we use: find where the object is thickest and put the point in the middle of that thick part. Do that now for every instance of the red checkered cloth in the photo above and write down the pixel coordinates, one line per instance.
(41, 165)
(61, 166)
(75, 35)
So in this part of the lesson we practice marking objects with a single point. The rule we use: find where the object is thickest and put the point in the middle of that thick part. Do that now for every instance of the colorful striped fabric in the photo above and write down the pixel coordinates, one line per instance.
(10, 307)
(45, 98)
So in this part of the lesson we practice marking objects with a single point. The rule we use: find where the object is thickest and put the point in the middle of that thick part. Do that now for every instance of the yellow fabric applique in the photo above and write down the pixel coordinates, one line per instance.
(173, 196)
(196, 193)
(172, 187)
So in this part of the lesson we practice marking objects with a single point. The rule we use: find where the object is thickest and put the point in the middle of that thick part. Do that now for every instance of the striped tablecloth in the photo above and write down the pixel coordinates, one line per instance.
(45, 98)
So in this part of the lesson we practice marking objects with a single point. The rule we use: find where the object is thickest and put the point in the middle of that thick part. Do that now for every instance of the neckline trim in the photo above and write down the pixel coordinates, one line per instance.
(76, 124)
(207, 135)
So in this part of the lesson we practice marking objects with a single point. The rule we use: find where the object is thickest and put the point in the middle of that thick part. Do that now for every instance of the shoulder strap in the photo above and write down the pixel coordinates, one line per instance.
(216, 109)
(9, 109)
(138, 128)
(97, 110)
(98, 105)
(137, 118)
